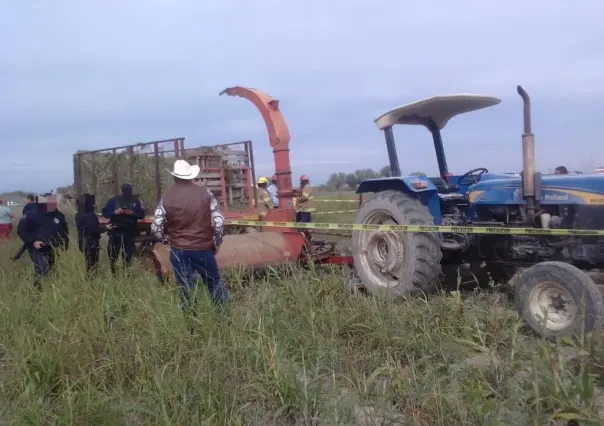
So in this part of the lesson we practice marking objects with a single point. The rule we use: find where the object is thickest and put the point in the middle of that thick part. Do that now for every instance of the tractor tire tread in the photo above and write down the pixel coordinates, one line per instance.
(576, 281)
(426, 246)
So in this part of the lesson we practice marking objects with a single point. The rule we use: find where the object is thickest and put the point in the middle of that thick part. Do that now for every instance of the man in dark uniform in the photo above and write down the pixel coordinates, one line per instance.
(89, 231)
(29, 205)
(123, 212)
(43, 230)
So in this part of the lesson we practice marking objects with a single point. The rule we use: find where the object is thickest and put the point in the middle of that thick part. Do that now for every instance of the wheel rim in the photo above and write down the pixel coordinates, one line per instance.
(382, 253)
(552, 306)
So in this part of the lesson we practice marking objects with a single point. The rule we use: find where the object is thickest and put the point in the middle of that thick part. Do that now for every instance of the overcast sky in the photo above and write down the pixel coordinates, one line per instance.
(92, 74)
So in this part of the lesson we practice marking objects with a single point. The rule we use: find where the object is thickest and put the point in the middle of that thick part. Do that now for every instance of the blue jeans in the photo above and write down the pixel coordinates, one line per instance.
(186, 263)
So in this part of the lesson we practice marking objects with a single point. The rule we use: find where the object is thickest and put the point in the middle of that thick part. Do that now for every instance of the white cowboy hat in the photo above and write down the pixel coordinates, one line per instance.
(183, 170)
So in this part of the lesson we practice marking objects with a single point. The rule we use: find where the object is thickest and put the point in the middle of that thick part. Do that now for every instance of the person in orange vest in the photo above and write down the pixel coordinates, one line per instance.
(265, 203)
(306, 201)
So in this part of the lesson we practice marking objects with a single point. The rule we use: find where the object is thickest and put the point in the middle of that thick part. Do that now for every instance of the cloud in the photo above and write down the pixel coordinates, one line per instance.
(89, 75)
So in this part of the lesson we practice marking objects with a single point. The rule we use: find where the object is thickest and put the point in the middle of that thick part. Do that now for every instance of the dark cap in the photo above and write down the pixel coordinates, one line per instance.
(126, 187)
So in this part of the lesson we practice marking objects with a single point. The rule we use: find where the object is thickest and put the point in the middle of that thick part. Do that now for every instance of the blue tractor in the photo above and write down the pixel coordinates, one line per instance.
(556, 295)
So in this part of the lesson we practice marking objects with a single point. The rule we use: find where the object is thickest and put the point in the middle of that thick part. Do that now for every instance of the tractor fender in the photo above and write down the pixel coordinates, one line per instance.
(419, 187)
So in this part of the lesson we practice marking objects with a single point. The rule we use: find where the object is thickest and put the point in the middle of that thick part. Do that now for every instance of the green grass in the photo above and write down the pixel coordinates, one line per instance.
(289, 349)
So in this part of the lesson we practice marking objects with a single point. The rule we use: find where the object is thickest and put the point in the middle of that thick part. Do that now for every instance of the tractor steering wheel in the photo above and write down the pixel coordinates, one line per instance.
(472, 177)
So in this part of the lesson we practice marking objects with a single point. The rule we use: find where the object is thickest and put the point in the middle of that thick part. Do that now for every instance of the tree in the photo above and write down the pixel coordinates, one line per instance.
(336, 181)
(351, 180)
(386, 171)
(417, 174)
(339, 180)
(332, 183)
(364, 174)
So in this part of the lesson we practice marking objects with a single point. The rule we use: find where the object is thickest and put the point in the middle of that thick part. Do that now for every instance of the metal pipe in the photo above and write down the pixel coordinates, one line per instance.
(142, 144)
(439, 149)
(395, 169)
(157, 173)
(528, 158)
(249, 147)
(116, 176)
(77, 175)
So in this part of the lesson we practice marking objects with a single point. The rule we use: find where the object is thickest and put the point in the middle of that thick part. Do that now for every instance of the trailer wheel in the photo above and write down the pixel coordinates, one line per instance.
(558, 299)
(396, 263)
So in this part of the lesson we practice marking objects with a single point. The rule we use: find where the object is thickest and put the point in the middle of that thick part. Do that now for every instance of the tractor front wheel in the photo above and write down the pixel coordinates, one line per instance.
(395, 263)
(558, 299)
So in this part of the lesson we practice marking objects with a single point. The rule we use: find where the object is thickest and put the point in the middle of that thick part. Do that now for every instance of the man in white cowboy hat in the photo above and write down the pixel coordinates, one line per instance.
(194, 225)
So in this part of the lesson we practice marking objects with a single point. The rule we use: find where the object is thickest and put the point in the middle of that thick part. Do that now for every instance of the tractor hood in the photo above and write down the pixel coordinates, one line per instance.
(496, 188)
(497, 176)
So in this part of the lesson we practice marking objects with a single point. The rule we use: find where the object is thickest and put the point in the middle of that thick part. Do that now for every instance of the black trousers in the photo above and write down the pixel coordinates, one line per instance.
(92, 249)
(121, 242)
(303, 217)
(44, 263)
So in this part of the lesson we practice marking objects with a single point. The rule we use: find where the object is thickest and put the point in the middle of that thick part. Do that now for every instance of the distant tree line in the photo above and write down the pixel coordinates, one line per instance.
(342, 181)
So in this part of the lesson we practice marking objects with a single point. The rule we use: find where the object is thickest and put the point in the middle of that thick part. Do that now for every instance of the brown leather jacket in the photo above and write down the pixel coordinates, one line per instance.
(189, 217)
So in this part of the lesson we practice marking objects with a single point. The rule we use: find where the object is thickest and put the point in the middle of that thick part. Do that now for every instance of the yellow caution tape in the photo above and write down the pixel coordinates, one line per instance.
(251, 220)
(336, 212)
(147, 219)
(482, 230)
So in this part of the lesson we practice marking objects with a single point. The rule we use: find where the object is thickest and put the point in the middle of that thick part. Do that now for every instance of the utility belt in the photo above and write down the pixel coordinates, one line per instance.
(122, 225)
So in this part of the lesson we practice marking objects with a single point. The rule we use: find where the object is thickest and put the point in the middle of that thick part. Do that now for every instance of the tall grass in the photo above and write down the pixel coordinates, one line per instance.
(291, 348)
(299, 350)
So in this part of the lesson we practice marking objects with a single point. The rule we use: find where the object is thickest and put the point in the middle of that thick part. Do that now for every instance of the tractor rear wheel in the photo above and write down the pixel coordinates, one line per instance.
(558, 299)
(393, 263)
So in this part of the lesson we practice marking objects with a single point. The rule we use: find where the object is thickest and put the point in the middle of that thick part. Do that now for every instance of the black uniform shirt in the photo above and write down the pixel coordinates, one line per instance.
(48, 227)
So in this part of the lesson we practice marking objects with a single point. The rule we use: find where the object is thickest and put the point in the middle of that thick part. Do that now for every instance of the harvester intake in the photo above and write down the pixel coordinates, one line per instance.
(260, 249)
(248, 251)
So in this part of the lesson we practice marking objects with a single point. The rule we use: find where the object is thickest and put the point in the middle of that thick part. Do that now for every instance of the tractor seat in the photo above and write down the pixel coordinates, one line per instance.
(442, 186)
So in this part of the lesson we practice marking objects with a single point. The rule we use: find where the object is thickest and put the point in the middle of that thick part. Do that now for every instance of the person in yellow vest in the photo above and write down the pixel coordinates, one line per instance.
(305, 201)
(265, 203)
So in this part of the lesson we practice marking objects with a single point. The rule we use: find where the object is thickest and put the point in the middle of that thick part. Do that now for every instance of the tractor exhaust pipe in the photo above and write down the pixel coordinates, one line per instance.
(528, 159)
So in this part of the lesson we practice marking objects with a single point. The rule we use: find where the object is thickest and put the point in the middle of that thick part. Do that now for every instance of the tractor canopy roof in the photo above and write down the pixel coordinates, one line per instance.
(437, 109)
